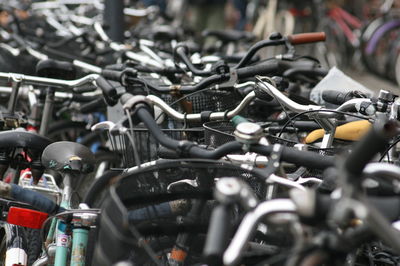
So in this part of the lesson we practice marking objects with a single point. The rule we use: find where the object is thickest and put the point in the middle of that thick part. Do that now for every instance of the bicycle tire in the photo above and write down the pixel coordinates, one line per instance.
(332, 52)
(13, 245)
(34, 244)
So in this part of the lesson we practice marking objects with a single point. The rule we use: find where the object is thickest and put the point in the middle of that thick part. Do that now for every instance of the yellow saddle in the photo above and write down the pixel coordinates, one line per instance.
(350, 131)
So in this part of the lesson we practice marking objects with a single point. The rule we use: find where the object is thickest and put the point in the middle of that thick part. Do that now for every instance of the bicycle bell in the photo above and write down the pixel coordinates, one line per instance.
(248, 133)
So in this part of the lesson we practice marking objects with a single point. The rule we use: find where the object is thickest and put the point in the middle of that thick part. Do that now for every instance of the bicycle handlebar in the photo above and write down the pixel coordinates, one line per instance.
(373, 142)
(246, 229)
(218, 234)
(33, 80)
(202, 117)
(35, 199)
(189, 149)
(264, 86)
(299, 108)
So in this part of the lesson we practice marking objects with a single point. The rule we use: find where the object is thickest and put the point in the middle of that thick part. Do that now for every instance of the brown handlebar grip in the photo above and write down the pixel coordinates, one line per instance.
(307, 37)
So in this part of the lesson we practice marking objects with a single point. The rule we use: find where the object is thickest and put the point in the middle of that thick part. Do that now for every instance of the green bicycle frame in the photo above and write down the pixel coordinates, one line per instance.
(63, 235)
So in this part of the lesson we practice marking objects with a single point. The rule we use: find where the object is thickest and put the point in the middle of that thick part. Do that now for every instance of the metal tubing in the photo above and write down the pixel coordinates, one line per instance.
(114, 18)
(79, 244)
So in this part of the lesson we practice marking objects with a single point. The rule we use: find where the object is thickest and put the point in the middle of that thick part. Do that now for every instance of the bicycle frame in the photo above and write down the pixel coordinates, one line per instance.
(347, 23)
(77, 242)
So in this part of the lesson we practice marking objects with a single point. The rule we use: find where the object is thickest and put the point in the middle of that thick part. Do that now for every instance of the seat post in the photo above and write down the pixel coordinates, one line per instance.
(47, 111)
(13, 98)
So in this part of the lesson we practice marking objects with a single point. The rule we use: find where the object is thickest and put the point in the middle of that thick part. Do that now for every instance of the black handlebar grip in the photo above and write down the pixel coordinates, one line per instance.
(373, 142)
(166, 153)
(112, 74)
(336, 97)
(259, 69)
(35, 199)
(304, 158)
(217, 235)
(116, 67)
(388, 206)
(82, 98)
(92, 106)
(109, 91)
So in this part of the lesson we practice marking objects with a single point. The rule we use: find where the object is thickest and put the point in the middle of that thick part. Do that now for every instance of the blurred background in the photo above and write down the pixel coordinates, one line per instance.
(349, 24)
(363, 36)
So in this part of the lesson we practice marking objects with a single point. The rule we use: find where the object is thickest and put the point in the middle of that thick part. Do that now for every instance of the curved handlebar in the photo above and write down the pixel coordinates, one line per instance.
(299, 108)
(198, 117)
(33, 80)
(235, 249)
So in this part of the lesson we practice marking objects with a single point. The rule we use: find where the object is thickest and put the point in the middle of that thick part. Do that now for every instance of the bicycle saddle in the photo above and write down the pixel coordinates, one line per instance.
(23, 139)
(166, 33)
(351, 131)
(66, 155)
(230, 35)
(51, 68)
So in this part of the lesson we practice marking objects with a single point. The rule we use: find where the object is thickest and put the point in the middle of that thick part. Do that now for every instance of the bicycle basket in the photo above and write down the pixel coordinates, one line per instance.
(217, 133)
(144, 202)
(211, 100)
(146, 145)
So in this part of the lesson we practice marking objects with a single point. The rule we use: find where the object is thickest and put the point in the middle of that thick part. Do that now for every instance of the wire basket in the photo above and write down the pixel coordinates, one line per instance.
(139, 139)
(217, 133)
(211, 100)
(149, 203)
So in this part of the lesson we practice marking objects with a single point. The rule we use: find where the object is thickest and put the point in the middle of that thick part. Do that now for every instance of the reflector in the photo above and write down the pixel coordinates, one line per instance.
(26, 217)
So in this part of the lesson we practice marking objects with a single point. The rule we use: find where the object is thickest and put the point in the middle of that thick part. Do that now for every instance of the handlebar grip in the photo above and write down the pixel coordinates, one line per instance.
(111, 74)
(116, 67)
(35, 199)
(93, 105)
(373, 142)
(388, 206)
(166, 153)
(259, 69)
(309, 37)
(82, 98)
(336, 97)
(217, 235)
(109, 91)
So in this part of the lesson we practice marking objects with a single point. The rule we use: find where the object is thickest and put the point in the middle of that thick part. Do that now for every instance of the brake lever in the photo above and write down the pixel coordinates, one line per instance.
(190, 182)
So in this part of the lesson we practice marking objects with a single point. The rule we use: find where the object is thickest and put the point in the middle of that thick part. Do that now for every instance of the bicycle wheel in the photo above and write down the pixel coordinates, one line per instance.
(333, 51)
(13, 245)
(376, 51)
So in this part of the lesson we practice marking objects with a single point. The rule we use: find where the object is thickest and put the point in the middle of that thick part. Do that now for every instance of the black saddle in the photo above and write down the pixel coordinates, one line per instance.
(230, 35)
(68, 156)
(51, 68)
(23, 139)
(166, 33)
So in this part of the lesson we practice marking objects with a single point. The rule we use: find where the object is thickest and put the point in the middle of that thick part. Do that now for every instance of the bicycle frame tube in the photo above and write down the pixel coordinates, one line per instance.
(62, 241)
(79, 243)
(62, 237)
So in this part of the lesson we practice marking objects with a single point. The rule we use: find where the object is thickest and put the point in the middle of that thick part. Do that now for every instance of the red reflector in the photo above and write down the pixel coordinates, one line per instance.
(26, 217)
